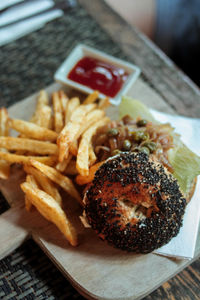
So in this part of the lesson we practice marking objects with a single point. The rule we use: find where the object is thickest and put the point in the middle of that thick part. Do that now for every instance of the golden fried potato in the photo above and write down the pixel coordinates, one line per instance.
(92, 117)
(82, 162)
(24, 144)
(4, 131)
(58, 178)
(72, 104)
(31, 180)
(58, 112)
(91, 98)
(22, 159)
(61, 166)
(44, 182)
(81, 180)
(51, 210)
(70, 132)
(42, 114)
(4, 122)
(33, 131)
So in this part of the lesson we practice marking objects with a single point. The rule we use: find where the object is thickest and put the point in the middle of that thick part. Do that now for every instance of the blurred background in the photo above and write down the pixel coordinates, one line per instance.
(173, 25)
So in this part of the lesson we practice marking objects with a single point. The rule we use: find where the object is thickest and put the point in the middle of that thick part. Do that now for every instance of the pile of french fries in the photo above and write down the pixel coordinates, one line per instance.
(54, 144)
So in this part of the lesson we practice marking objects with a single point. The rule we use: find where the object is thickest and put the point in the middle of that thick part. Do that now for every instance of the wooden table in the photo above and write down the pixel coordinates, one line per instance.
(177, 90)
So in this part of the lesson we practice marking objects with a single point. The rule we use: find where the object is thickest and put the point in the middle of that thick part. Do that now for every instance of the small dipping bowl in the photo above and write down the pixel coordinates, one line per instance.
(80, 52)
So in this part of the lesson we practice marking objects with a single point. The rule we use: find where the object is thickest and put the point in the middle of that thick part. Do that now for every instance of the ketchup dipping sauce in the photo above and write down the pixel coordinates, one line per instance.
(98, 75)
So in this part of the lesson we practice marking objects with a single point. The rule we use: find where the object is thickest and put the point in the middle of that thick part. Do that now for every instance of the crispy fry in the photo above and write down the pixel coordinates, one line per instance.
(4, 168)
(31, 180)
(91, 98)
(43, 99)
(33, 131)
(64, 101)
(39, 147)
(58, 178)
(44, 183)
(51, 210)
(58, 112)
(42, 102)
(90, 118)
(92, 155)
(44, 117)
(66, 138)
(4, 122)
(72, 104)
(70, 132)
(28, 204)
(4, 131)
(74, 145)
(22, 159)
(81, 180)
(104, 103)
(81, 111)
(82, 162)
(61, 166)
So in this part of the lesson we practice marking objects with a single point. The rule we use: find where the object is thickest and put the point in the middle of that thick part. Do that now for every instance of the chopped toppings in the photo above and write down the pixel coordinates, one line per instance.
(134, 136)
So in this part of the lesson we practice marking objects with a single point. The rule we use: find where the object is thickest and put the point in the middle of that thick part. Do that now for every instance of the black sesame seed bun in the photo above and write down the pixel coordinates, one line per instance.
(134, 203)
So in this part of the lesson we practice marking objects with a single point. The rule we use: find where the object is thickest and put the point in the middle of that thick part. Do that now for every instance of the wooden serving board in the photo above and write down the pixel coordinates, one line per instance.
(95, 269)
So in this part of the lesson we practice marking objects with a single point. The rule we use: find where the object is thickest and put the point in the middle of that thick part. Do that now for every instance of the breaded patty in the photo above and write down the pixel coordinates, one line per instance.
(134, 203)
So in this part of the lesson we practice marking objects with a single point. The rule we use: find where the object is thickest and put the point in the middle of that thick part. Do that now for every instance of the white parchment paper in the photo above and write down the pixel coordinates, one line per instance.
(183, 245)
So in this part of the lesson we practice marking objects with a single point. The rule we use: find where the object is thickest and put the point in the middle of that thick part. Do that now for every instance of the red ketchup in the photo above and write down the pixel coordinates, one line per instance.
(98, 75)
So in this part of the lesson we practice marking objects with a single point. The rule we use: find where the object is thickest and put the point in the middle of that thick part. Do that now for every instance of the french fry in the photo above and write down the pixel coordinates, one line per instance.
(42, 102)
(70, 132)
(58, 112)
(64, 101)
(51, 210)
(58, 178)
(74, 145)
(30, 179)
(43, 99)
(92, 155)
(81, 111)
(66, 138)
(61, 166)
(91, 98)
(44, 117)
(4, 122)
(82, 162)
(104, 103)
(44, 183)
(81, 180)
(4, 168)
(33, 131)
(72, 104)
(39, 147)
(22, 159)
(28, 204)
(90, 118)
(4, 131)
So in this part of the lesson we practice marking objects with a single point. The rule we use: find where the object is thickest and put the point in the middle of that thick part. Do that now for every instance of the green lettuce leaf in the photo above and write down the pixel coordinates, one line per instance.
(134, 108)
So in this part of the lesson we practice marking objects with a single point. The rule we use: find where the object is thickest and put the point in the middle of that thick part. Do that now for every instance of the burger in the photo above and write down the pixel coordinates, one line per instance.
(137, 199)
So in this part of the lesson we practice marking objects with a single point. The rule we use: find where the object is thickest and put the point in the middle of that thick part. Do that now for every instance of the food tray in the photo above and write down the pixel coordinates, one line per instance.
(95, 269)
